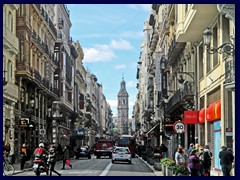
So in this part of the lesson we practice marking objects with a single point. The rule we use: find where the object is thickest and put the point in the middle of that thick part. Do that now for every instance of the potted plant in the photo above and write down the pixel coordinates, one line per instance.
(164, 162)
(169, 167)
(180, 170)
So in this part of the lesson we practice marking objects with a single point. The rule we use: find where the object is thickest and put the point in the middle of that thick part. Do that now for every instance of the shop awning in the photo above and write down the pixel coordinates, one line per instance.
(210, 115)
(201, 117)
(218, 109)
(152, 129)
(191, 117)
(213, 111)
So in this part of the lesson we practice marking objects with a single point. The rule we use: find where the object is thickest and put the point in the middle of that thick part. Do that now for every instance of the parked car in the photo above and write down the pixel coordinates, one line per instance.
(121, 154)
(83, 151)
(104, 147)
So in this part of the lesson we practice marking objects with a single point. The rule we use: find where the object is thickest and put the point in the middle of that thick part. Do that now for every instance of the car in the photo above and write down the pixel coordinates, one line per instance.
(104, 147)
(121, 154)
(83, 151)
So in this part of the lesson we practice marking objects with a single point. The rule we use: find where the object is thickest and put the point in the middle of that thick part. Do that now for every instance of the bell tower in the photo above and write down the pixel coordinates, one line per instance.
(123, 108)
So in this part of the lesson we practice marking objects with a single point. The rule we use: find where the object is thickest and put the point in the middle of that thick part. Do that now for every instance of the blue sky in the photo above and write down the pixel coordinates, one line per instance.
(111, 36)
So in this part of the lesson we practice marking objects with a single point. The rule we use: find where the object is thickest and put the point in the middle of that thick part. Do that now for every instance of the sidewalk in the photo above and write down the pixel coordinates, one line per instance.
(28, 168)
(157, 173)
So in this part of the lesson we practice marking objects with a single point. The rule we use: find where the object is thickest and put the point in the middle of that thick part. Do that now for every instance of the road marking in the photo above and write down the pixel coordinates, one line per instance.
(105, 171)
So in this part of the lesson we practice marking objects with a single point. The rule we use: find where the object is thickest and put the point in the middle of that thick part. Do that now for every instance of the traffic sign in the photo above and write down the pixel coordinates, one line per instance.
(179, 127)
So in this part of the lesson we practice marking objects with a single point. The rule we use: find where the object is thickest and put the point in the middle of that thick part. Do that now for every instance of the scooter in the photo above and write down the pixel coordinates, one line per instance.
(40, 166)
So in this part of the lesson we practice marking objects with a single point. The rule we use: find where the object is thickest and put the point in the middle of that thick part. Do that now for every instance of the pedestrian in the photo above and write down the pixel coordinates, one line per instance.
(207, 158)
(193, 163)
(23, 155)
(200, 156)
(59, 152)
(52, 160)
(7, 150)
(181, 156)
(226, 160)
(66, 156)
(164, 150)
(191, 147)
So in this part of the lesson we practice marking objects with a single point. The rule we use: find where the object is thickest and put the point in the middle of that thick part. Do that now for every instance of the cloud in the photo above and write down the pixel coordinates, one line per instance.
(98, 53)
(121, 44)
(120, 66)
(145, 7)
(105, 52)
(131, 84)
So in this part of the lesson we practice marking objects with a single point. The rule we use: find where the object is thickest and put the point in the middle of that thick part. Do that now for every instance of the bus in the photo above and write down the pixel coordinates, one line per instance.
(128, 141)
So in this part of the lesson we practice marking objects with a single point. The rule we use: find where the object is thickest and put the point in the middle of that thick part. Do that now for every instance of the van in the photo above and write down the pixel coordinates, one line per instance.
(104, 147)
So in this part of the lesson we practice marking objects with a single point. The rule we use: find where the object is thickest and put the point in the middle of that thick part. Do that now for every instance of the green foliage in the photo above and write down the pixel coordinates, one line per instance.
(180, 169)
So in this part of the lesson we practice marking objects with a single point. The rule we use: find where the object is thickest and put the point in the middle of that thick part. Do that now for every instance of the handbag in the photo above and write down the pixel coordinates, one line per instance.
(67, 162)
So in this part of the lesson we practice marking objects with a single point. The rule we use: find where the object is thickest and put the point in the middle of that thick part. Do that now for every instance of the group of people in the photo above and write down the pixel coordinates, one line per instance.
(51, 159)
(198, 159)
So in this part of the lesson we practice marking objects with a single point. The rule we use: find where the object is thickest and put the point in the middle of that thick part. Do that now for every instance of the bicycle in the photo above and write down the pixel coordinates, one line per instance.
(8, 168)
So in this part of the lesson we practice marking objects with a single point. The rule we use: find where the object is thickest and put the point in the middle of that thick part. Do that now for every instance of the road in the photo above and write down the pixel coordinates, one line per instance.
(100, 167)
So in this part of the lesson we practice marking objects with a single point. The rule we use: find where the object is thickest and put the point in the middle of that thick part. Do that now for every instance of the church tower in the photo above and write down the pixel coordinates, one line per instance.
(123, 108)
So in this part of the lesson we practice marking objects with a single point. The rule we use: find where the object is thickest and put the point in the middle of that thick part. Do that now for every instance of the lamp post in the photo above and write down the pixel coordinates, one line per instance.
(227, 48)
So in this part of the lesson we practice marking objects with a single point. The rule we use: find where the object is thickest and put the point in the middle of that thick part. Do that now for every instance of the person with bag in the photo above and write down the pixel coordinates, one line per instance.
(52, 160)
(23, 155)
(193, 163)
(181, 156)
(66, 157)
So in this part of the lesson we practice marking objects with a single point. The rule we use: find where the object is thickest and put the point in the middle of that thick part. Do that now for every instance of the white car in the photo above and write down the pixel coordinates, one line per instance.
(121, 154)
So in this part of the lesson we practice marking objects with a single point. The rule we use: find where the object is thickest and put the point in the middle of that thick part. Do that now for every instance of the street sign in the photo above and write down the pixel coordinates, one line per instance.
(179, 127)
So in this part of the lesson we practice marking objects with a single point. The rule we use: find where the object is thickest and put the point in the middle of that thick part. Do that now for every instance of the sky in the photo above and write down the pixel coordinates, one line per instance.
(111, 36)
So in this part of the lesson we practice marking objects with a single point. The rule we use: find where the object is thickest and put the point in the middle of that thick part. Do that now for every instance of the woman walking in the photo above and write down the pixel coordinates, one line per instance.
(66, 157)
(193, 163)
(52, 160)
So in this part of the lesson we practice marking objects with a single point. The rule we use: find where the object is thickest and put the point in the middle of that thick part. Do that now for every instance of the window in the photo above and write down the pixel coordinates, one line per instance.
(225, 31)
(200, 60)
(215, 45)
(20, 11)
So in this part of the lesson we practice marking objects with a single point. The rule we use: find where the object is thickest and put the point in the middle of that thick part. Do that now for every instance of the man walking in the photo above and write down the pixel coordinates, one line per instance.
(226, 160)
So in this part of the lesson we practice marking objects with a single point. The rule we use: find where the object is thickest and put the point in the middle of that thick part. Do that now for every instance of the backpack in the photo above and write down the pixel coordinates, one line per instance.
(38, 152)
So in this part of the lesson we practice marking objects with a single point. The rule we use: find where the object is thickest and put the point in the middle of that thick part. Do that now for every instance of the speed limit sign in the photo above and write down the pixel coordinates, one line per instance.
(179, 127)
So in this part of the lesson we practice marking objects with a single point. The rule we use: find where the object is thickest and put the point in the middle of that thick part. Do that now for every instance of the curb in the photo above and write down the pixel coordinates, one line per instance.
(21, 171)
(157, 173)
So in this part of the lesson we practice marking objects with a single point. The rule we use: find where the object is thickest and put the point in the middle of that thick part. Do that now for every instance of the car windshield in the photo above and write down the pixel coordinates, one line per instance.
(84, 149)
(123, 150)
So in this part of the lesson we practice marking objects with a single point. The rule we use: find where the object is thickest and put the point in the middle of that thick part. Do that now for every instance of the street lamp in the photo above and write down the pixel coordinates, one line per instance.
(227, 48)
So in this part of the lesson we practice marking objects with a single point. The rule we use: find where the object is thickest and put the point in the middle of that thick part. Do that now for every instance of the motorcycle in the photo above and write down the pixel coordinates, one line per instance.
(40, 166)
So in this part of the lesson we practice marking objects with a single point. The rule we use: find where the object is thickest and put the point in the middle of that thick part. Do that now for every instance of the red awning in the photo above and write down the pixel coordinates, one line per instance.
(191, 117)
(210, 112)
(201, 116)
(218, 109)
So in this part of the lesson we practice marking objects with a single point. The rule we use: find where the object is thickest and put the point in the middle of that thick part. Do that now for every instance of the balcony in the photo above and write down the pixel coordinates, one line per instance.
(10, 41)
(54, 31)
(174, 50)
(60, 23)
(37, 76)
(197, 18)
(11, 90)
(230, 73)
(188, 90)
(175, 99)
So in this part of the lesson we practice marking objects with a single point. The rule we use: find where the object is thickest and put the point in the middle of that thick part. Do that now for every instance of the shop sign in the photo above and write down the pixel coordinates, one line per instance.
(191, 117)
(24, 122)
